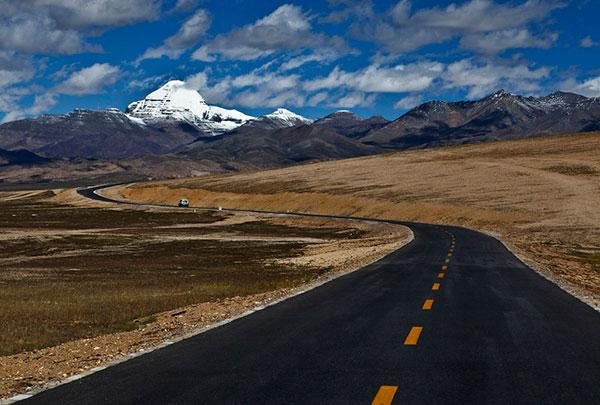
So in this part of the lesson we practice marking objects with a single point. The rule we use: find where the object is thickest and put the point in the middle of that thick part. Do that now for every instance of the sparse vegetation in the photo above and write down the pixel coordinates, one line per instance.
(70, 272)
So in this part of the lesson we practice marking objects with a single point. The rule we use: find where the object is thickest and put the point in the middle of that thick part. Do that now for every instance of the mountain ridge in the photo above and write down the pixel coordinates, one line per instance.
(284, 138)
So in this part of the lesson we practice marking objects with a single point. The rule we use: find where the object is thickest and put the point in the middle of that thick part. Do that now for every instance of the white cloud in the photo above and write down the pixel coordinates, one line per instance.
(589, 87)
(408, 102)
(184, 5)
(97, 13)
(482, 79)
(14, 69)
(146, 83)
(322, 57)
(353, 100)
(588, 42)
(61, 26)
(263, 87)
(476, 22)
(498, 41)
(254, 89)
(286, 28)
(90, 80)
(41, 103)
(379, 79)
(317, 99)
(190, 32)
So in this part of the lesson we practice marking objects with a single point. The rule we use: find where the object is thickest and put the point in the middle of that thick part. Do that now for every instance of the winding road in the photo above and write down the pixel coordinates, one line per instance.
(453, 317)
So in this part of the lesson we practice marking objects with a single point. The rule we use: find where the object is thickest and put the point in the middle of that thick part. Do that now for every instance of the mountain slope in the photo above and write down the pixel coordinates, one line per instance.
(91, 134)
(279, 147)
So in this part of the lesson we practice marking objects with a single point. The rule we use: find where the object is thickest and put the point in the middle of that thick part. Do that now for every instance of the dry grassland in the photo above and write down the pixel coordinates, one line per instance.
(540, 195)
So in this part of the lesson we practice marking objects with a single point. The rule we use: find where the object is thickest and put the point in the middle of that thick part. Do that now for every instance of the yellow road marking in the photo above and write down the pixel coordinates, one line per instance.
(427, 305)
(441, 275)
(450, 254)
(436, 286)
(413, 336)
(385, 395)
(446, 260)
(444, 267)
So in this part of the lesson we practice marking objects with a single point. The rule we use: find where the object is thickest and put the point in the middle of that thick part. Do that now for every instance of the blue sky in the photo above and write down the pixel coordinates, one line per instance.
(313, 57)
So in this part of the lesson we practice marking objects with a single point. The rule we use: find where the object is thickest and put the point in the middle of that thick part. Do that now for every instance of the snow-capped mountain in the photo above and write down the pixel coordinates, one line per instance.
(174, 102)
(280, 118)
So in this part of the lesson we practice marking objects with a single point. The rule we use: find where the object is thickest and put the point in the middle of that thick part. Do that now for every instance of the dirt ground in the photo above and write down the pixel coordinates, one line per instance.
(539, 195)
(84, 284)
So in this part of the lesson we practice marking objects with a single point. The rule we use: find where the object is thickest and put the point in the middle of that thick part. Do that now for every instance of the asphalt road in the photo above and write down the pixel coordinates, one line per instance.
(484, 329)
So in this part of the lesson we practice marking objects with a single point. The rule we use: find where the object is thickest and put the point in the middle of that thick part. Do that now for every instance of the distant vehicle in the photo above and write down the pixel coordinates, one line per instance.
(183, 203)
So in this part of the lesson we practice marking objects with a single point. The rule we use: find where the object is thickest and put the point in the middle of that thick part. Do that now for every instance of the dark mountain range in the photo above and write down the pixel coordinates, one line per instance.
(284, 138)
(284, 146)
(498, 116)
(349, 124)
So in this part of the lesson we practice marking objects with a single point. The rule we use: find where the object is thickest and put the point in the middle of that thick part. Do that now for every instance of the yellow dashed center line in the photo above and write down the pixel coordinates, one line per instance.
(427, 305)
(441, 275)
(436, 286)
(446, 260)
(444, 268)
(385, 395)
(450, 254)
(413, 336)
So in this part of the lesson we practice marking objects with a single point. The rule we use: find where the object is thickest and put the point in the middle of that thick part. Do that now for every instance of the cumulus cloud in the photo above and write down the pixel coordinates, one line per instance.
(340, 88)
(588, 42)
(380, 79)
(482, 79)
(354, 99)
(90, 80)
(498, 41)
(146, 82)
(41, 103)
(61, 26)
(286, 28)
(184, 6)
(254, 89)
(408, 102)
(14, 69)
(319, 56)
(188, 35)
(476, 22)
(589, 87)
(97, 13)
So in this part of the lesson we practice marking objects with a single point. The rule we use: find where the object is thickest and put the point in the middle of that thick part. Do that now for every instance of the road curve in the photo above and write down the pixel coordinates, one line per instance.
(453, 317)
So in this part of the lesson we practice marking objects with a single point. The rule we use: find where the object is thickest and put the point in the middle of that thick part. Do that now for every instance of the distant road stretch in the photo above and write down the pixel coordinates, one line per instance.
(453, 317)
